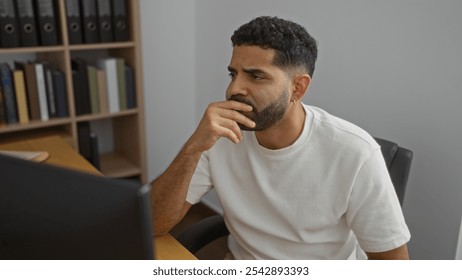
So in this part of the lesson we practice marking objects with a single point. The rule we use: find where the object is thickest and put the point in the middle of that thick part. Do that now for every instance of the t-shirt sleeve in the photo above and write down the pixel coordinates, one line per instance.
(201, 182)
(374, 212)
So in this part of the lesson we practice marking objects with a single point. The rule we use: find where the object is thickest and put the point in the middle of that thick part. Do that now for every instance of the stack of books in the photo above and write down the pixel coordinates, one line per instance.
(107, 87)
(31, 91)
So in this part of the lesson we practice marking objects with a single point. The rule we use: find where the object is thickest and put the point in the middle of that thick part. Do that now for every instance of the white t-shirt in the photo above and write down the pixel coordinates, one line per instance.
(319, 198)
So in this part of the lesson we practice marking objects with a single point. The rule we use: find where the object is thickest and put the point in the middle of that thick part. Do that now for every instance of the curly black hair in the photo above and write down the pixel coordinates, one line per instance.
(294, 46)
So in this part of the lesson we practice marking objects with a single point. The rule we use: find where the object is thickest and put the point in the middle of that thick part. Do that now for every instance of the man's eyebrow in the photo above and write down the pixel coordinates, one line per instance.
(253, 71)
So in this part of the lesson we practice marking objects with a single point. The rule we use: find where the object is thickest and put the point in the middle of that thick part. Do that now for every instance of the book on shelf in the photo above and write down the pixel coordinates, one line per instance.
(9, 98)
(31, 88)
(50, 91)
(93, 89)
(2, 109)
(21, 97)
(88, 143)
(42, 91)
(95, 157)
(59, 84)
(109, 66)
(80, 85)
(102, 90)
(130, 85)
(122, 84)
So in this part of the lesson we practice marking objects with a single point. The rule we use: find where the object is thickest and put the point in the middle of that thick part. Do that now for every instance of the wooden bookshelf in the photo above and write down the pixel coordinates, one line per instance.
(128, 158)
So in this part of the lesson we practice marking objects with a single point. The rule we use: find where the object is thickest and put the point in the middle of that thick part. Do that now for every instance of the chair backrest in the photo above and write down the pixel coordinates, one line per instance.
(398, 160)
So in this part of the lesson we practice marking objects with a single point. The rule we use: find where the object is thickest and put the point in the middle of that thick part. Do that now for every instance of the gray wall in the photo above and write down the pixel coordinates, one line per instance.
(168, 51)
(392, 67)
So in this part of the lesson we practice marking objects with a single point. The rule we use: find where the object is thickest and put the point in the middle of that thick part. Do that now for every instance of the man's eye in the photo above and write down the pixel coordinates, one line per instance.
(232, 75)
(256, 77)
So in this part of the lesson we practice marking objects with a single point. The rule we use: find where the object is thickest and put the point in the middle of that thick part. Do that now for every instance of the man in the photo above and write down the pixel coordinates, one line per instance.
(294, 181)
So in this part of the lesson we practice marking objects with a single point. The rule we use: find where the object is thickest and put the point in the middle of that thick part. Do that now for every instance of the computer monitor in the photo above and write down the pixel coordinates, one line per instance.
(48, 212)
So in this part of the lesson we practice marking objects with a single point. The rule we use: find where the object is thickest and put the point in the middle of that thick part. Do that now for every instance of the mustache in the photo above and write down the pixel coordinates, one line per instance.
(241, 99)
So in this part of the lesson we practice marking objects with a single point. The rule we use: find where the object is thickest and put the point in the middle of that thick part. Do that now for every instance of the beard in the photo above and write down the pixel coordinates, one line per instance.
(268, 116)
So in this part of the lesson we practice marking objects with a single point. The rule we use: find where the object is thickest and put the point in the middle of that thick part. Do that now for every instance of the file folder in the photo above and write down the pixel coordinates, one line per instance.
(45, 12)
(26, 23)
(74, 23)
(119, 14)
(89, 21)
(105, 21)
(9, 34)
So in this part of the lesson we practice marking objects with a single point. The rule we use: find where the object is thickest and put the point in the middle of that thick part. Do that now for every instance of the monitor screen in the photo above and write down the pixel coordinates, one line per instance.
(48, 212)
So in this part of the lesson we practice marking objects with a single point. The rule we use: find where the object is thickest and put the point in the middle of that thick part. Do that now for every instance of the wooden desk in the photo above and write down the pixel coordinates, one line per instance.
(62, 154)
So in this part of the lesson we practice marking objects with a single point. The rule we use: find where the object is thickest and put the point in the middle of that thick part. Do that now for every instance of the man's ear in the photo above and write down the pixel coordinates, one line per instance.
(300, 86)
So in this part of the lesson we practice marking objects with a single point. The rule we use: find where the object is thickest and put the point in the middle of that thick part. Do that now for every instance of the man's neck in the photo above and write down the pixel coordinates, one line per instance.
(285, 132)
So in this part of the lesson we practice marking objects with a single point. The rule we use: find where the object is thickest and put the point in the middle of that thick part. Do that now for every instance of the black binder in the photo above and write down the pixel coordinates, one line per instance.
(120, 23)
(81, 91)
(83, 134)
(74, 22)
(105, 21)
(59, 85)
(89, 21)
(88, 143)
(47, 28)
(9, 33)
(94, 159)
(26, 23)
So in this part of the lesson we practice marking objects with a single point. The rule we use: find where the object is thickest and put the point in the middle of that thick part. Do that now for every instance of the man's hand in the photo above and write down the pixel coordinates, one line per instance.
(219, 120)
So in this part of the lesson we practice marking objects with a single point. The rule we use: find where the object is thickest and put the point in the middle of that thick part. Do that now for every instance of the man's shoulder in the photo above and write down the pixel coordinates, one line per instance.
(340, 131)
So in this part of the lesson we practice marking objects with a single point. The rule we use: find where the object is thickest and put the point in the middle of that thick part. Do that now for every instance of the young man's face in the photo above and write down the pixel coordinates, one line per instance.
(259, 83)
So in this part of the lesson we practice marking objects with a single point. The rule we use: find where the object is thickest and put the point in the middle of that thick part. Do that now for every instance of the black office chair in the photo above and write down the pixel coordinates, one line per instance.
(397, 159)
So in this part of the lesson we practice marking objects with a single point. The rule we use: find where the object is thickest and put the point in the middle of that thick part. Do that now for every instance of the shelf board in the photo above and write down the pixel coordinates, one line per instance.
(114, 165)
(58, 48)
(94, 117)
(104, 46)
(6, 128)
(38, 49)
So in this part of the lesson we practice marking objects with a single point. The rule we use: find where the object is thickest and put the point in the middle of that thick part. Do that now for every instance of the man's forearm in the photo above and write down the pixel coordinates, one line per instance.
(400, 253)
(169, 191)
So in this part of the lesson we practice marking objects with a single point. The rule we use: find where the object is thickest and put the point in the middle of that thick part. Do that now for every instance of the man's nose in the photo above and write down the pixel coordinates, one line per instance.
(237, 86)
